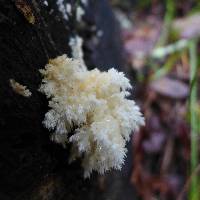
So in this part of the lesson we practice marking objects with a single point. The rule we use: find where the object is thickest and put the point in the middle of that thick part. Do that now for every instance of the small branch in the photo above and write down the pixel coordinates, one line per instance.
(166, 68)
(170, 49)
(188, 182)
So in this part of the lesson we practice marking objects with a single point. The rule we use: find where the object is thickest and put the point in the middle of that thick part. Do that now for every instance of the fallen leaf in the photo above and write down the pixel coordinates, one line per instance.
(140, 40)
(170, 88)
(188, 26)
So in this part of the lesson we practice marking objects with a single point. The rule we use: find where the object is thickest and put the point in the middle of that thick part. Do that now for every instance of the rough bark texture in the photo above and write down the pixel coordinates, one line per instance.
(31, 166)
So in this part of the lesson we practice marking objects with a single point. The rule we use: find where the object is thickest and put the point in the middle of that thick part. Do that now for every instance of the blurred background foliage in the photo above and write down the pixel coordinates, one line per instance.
(161, 47)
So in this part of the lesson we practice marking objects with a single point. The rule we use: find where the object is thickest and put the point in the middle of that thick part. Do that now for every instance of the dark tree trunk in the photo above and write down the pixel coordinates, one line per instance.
(31, 166)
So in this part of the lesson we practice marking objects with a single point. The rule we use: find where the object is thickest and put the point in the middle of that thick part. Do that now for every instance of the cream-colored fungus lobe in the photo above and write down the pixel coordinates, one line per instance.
(93, 104)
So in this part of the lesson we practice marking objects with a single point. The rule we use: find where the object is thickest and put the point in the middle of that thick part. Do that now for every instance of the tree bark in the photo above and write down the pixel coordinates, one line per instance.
(31, 166)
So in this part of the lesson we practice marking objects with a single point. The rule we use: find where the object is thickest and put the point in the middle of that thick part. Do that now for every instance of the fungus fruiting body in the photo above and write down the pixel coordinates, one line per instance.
(92, 105)
(20, 89)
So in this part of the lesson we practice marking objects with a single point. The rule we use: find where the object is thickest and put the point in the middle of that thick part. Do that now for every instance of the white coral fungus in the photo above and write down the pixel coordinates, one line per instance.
(94, 104)
(76, 44)
(64, 8)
